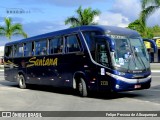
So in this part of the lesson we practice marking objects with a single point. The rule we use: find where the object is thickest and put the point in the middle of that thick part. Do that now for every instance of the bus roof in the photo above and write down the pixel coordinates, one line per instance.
(104, 29)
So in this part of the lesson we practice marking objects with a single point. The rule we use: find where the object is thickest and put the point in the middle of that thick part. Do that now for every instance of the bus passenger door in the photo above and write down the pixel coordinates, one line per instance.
(102, 52)
(102, 56)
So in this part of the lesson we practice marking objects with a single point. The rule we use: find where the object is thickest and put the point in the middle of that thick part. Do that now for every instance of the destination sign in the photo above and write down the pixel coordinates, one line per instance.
(118, 37)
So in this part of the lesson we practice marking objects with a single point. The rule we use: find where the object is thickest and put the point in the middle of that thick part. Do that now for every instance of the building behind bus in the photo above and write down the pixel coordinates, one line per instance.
(154, 57)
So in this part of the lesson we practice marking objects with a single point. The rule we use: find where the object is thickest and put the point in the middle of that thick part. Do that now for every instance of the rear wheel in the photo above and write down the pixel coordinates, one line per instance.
(22, 82)
(82, 88)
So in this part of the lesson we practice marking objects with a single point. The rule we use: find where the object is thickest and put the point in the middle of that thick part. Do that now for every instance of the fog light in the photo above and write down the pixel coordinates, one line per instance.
(117, 86)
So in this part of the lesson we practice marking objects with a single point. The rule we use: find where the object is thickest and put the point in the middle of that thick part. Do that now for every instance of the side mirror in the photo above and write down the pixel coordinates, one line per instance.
(153, 44)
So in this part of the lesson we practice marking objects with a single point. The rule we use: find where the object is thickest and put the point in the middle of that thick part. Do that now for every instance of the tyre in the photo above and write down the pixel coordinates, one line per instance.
(82, 88)
(22, 82)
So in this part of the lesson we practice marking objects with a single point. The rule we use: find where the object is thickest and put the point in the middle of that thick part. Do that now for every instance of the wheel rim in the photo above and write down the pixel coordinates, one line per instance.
(80, 87)
(21, 81)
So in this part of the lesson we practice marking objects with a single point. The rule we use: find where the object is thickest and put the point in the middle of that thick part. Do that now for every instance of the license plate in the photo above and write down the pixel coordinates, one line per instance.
(137, 86)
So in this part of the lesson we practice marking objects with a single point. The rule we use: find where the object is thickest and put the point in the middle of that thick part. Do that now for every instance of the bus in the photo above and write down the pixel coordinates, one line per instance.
(86, 58)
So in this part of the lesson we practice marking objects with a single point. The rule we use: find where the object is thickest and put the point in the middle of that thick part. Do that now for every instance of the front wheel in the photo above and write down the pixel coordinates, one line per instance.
(21, 82)
(82, 88)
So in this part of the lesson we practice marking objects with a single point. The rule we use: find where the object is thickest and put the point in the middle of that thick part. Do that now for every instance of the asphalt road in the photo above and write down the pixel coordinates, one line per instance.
(45, 98)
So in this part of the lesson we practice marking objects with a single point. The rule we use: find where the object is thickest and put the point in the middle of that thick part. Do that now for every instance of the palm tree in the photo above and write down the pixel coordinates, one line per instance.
(141, 28)
(11, 29)
(84, 17)
(148, 8)
(137, 25)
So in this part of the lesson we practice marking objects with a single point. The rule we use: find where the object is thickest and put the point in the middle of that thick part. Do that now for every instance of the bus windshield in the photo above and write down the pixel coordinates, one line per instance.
(130, 54)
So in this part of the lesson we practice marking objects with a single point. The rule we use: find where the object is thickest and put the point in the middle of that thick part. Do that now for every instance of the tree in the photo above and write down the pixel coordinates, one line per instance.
(84, 17)
(11, 29)
(137, 25)
(148, 8)
(156, 30)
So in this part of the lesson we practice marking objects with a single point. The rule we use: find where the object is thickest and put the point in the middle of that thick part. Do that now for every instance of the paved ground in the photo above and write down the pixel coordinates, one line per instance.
(155, 66)
(45, 98)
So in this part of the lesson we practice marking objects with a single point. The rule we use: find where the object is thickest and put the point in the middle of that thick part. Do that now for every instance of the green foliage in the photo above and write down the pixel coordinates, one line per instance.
(137, 25)
(145, 32)
(84, 17)
(148, 8)
(11, 29)
(155, 30)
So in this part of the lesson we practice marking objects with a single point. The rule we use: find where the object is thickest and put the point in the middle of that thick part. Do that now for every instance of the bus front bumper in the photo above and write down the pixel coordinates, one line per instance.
(125, 84)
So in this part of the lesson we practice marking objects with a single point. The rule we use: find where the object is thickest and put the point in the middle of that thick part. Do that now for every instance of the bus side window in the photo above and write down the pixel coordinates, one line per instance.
(90, 38)
(72, 43)
(41, 47)
(8, 51)
(15, 53)
(28, 50)
(18, 50)
(56, 45)
(32, 49)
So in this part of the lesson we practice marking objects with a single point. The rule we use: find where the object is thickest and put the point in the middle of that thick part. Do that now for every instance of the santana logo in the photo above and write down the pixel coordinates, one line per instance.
(42, 62)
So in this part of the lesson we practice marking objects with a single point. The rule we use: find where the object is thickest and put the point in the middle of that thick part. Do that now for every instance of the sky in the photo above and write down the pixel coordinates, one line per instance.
(42, 16)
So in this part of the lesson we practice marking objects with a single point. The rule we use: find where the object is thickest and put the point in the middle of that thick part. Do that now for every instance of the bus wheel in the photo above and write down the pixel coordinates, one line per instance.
(82, 88)
(21, 81)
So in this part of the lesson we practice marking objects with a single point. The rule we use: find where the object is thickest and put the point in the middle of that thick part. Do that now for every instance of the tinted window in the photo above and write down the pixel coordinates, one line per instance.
(28, 49)
(8, 51)
(72, 44)
(102, 52)
(18, 50)
(41, 47)
(56, 45)
(90, 38)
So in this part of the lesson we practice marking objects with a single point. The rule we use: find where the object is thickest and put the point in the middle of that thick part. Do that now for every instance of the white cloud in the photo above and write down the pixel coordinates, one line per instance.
(131, 9)
(113, 19)
(63, 3)
(154, 19)
(122, 13)
(127, 8)
(96, 19)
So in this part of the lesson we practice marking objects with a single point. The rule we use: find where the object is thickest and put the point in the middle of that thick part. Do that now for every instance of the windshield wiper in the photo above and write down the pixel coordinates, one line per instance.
(140, 60)
(132, 55)
(129, 62)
